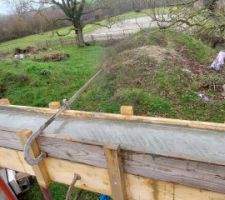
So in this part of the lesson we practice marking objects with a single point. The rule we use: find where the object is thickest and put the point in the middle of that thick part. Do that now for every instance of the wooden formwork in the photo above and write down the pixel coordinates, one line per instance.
(112, 170)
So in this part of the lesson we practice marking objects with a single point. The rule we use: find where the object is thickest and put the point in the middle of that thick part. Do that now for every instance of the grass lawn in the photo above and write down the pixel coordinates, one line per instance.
(37, 83)
(160, 74)
(58, 192)
(49, 36)
(38, 38)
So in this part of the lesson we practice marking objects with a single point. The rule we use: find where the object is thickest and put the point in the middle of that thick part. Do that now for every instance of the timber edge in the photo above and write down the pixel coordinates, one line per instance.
(126, 117)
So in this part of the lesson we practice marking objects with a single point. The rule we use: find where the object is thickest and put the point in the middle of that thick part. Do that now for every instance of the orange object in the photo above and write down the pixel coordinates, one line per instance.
(6, 190)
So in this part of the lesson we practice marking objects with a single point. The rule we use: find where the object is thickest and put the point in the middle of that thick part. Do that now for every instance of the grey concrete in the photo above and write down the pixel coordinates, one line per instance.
(172, 141)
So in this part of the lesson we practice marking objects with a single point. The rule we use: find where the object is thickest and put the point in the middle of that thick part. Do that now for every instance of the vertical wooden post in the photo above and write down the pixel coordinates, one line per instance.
(40, 171)
(116, 173)
(54, 105)
(127, 110)
(4, 102)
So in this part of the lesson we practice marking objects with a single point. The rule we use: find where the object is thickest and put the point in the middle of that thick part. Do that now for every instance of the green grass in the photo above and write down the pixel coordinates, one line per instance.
(35, 39)
(37, 83)
(40, 38)
(58, 192)
(159, 88)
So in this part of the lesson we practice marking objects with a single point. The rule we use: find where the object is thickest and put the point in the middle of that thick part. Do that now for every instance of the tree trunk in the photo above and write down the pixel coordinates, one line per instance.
(79, 37)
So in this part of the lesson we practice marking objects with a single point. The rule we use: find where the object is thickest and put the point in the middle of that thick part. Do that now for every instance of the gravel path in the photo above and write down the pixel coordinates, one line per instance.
(121, 29)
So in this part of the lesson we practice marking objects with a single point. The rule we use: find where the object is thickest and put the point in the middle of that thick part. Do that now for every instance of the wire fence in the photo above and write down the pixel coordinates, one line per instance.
(89, 38)
(68, 41)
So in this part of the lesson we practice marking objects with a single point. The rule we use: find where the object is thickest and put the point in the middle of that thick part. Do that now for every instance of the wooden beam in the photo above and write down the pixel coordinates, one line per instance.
(127, 110)
(4, 102)
(97, 179)
(40, 171)
(116, 173)
(153, 120)
(54, 105)
(186, 172)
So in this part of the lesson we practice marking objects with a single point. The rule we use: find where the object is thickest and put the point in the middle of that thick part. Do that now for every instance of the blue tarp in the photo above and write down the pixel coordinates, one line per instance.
(104, 197)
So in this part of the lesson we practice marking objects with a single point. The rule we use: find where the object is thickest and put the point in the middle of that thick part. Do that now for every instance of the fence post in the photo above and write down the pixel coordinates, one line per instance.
(116, 172)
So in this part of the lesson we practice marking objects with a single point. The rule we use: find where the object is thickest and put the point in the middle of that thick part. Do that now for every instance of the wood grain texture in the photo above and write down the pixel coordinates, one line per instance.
(73, 151)
(116, 173)
(191, 173)
(186, 172)
(97, 180)
(173, 141)
(9, 139)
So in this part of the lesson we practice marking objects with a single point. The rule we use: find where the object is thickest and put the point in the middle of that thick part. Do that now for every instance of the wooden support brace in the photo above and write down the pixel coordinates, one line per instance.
(126, 110)
(40, 171)
(115, 172)
(54, 105)
(4, 102)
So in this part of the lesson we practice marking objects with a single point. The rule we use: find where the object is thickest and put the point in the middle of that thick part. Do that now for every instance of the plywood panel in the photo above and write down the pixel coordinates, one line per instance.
(186, 172)
(97, 180)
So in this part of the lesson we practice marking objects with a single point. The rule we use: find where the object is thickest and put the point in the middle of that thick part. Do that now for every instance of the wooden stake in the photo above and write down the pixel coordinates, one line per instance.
(116, 173)
(4, 102)
(40, 171)
(126, 110)
(54, 105)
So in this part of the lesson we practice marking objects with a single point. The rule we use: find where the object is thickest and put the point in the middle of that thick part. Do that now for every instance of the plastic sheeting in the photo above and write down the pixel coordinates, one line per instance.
(219, 61)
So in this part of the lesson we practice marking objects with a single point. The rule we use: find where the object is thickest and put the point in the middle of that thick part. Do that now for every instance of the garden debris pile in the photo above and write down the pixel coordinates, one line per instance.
(57, 57)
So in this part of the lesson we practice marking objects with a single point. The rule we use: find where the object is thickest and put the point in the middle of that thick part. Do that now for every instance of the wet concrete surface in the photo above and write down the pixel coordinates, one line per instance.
(172, 141)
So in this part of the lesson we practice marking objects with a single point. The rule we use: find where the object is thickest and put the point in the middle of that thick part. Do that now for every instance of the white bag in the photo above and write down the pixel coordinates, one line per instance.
(219, 62)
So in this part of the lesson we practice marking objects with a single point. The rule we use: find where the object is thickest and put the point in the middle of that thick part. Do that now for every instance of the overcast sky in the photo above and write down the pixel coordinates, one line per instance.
(4, 8)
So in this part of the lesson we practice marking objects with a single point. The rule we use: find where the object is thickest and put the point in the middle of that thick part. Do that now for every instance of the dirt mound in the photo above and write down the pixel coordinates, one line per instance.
(54, 57)
(162, 73)
(158, 53)
(28, 50)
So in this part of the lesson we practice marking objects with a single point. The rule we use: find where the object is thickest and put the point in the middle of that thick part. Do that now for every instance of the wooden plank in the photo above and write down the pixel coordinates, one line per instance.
(73, 151)
(141, 137)
(40, 171)
(185, 172)
(97, 180)
(9, 139)
(153, 120)
(127, 110)
(191, 173)
(54, 105)
(116, 173)
(4, 102)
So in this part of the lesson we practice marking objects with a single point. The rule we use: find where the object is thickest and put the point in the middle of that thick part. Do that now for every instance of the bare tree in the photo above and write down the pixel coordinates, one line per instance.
(82, 12)
(204, 18)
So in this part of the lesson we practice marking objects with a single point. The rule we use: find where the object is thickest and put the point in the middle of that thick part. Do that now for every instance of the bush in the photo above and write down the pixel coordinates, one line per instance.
(19, 79)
